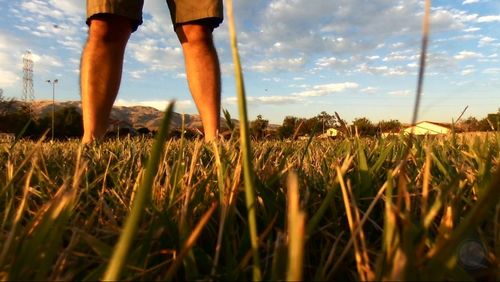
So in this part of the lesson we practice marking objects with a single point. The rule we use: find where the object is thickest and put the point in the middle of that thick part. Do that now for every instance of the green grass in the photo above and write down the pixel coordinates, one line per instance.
(63, 208)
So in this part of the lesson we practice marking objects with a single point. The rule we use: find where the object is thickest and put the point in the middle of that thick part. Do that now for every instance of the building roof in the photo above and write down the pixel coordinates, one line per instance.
(447, 125)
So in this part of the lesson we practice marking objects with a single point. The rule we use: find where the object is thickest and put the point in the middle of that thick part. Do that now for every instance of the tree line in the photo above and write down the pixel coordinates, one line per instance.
(20, 120)
(68, 124)
(294, 126)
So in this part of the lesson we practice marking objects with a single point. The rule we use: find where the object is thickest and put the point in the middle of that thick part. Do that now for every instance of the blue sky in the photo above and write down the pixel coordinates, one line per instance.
(300, 57)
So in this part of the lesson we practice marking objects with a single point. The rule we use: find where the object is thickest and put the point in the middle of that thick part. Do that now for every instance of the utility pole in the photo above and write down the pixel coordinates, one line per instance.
(28, 92)
(53, 82)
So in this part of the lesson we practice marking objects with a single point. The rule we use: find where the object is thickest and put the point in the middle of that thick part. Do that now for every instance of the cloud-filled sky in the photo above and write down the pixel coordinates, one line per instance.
(300, 57)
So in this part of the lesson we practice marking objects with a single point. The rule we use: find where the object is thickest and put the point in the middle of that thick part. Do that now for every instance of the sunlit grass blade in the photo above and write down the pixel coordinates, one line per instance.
(426, 180)
(248, 173)
(121, 249)
(7, 245)
(189, 243)
(361, 263)
(316, 218)
(25, 161)
(296, 231)
(444, 249)
(43, 237)
(368, 211)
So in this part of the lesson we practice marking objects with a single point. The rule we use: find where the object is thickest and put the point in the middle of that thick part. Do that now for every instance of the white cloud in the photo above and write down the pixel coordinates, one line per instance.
(400, 93)
(45, 62)
(349, 26)
(156, 55)
(369, 90)
(492, 71)
(275, 99)
(157, 104)
(398, 57)
(41, 9)
(8, 78)
(137, 74)
(326, 89)
(297, 97)
(279, 64)
(486, 40)
(472, 29)
(468, 71)
(469, 2)
(11, 60)
(382, 70)
(327, 62)
(266, 100)
(74, 9)
(464, 55)
(488, 19)
(398, 45)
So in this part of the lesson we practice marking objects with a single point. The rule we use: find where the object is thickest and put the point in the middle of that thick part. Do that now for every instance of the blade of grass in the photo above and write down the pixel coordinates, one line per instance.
(15, 225)
(245, 146)
(296, 234)
(189, 243)
(426, 180)
(121, 249)
(358, 254)
(444, 249)
(377, 197)
(316, 218)
(278, 268)
(423, 56)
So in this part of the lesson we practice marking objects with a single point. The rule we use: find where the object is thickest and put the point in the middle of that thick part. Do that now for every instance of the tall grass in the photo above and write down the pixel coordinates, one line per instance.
(245, 144)
(139, 203)
(67, 216)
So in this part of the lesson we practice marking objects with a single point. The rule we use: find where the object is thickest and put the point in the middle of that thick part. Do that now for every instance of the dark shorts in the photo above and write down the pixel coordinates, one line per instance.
(181, 11)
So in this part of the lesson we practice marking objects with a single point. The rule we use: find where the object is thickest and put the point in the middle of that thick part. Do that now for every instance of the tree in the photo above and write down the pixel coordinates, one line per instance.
(494, 120)
(392, 126)
(67, 123)
(365, 127)
(470, 124)
(287, 129)
(258, 127)
(311, 126)
(327, 121)
(6, 105)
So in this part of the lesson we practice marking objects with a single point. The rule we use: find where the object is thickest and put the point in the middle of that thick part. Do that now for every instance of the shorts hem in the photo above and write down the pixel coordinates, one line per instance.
(211, 14)
(107, 9)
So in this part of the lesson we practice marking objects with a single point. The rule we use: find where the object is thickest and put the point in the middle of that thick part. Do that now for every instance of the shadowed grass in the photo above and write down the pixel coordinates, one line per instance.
(140, 202)
(105, 191)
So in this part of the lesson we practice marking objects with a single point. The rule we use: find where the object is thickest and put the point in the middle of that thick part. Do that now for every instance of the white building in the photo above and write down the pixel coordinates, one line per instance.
(330, 132)
(428, 128)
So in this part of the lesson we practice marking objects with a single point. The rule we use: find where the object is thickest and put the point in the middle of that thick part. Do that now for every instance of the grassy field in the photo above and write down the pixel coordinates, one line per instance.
(325, 210)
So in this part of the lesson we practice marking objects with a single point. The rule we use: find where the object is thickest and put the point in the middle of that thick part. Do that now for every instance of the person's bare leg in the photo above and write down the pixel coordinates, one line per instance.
(100, 72)
(203, 74)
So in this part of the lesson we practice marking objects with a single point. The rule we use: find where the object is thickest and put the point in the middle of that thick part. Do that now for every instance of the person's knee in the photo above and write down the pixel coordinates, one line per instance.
(110, 29)
(194, 34)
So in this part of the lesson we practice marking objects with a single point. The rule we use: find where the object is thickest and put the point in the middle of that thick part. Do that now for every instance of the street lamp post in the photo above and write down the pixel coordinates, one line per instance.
(53, 82)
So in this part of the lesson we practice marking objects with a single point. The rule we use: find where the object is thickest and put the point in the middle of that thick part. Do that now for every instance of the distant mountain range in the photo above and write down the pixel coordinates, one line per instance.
(135, 116)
